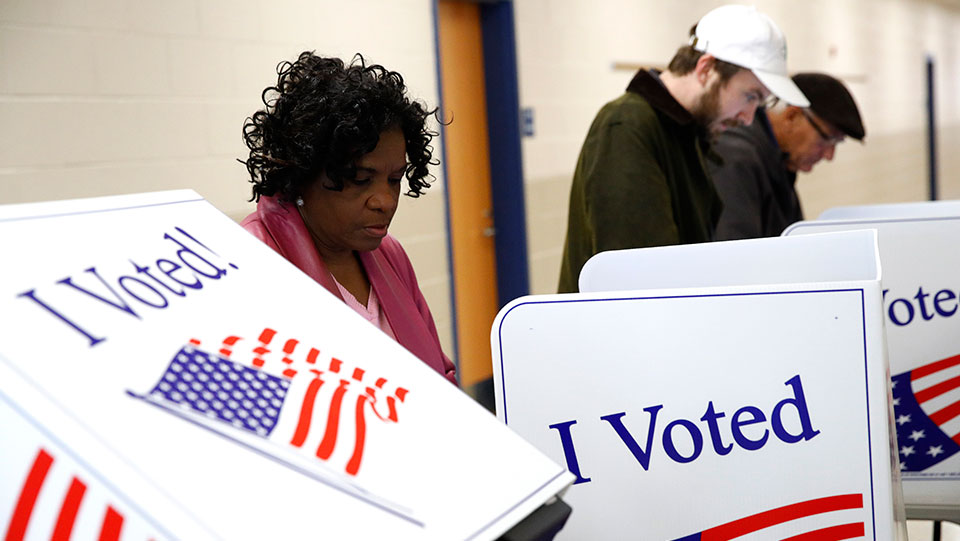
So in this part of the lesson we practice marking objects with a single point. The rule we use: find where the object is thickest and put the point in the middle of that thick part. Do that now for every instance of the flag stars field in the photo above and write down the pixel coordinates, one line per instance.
(926, 430)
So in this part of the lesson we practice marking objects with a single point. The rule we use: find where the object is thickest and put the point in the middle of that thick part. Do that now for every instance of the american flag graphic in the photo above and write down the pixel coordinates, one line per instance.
(926, 408)
(305, 411)
(311, 420)
(66, 496)
(827, 507)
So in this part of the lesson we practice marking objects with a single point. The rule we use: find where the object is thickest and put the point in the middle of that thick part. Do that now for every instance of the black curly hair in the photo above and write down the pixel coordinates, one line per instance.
(322, 116)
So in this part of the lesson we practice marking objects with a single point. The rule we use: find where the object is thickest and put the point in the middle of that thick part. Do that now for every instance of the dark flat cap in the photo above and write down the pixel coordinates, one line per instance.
(831, 101)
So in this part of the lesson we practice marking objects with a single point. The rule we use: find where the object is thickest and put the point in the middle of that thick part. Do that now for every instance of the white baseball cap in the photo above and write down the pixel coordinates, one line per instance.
(743, 36)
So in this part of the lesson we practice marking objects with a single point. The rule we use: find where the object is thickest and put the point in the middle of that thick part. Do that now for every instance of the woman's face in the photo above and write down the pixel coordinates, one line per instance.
(357, 218)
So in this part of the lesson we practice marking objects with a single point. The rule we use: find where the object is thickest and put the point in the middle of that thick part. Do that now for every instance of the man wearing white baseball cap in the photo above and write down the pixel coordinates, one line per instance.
(641, 179)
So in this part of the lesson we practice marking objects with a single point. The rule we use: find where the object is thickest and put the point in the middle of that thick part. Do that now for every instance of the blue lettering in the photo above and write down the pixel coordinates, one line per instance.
(921, 298)
(163, 299)
(686, 453)
(184, 250)
(119, 305)
(901, 311)
(569, 452)
(710, 417)
(146, 287)
(642, 455)
(939, 298)
(173, 267)
(798, 401)
(146, 271)
(671, 449)
(893, 313)
(756, 417)
(33, 297)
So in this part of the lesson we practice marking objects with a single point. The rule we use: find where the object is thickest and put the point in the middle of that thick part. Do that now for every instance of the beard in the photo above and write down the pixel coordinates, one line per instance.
(706, 112)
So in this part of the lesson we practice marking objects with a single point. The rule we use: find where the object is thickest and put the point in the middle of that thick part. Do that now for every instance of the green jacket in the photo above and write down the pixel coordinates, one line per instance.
(640, 180)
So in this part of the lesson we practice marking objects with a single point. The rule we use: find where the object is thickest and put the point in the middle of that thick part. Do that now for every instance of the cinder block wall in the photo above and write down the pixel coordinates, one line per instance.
(118, 96)
(568, 48)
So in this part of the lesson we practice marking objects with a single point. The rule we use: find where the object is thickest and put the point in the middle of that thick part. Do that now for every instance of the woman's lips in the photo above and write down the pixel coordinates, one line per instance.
(376, 230)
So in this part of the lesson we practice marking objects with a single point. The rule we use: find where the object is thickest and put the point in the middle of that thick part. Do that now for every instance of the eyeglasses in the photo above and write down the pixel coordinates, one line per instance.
(761, 101)
(769, 101)
(826, 139)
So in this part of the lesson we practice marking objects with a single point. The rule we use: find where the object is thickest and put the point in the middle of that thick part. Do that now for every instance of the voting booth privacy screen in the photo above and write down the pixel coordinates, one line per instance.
(916, 209)
(717, 410)
(165, 375)
(920, 257)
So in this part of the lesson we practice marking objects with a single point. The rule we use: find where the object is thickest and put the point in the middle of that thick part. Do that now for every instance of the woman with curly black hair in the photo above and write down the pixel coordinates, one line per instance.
(328, 154)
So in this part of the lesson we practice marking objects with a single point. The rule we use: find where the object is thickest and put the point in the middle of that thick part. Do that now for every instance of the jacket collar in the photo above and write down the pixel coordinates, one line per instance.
(761, 123)
(647, 83)
(285, 225)
(283, 222)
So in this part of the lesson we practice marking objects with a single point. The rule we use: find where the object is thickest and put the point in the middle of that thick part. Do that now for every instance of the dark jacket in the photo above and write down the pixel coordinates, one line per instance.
(640, 180)
(759, 199)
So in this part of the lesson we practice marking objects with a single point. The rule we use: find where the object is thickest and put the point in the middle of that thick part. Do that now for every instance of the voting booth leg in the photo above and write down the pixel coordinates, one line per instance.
(541, 525)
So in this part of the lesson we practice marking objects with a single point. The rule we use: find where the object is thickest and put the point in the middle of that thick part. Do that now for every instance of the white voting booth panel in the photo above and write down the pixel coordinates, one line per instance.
(920, 258)
(63, 493)
(735, 263)
(165, 375)
(918, 209)
(720, 410)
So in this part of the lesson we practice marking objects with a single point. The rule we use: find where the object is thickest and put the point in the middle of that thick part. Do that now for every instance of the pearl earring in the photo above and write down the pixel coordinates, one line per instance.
(299, 201)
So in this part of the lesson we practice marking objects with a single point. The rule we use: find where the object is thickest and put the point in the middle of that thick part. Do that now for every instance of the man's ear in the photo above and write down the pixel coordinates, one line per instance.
(705, 65)
(793, 113)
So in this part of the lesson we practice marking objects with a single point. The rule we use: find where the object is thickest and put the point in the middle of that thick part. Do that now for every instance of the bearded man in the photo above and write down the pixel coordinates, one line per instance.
(641, 179)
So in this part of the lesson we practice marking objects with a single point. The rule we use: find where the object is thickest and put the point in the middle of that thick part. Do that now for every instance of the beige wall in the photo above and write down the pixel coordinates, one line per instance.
(118, 96)
(566, 55)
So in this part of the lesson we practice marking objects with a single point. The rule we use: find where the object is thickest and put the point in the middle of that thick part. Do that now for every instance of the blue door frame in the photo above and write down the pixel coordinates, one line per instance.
(506, 165)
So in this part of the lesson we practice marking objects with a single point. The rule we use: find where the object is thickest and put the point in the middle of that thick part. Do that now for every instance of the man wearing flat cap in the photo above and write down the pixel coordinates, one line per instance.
(756, 178)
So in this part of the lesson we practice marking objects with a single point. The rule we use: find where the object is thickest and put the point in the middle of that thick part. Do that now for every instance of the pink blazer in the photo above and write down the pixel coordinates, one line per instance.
(391, 275)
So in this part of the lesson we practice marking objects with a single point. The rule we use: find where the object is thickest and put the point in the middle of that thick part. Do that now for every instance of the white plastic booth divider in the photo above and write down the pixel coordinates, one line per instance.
(706, 402)
(917, 209)
(921, 266)
(165, 375)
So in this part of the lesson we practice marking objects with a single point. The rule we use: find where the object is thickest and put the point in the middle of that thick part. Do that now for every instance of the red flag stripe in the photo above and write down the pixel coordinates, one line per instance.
(306, 413)
(28, 496)
(329, 441)
(267, 335)
(353, 465)
(936, 390)
(737, 528)
(934, 367)
(112, 525)
(833, 533)
(946, 413)
(68, 511)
